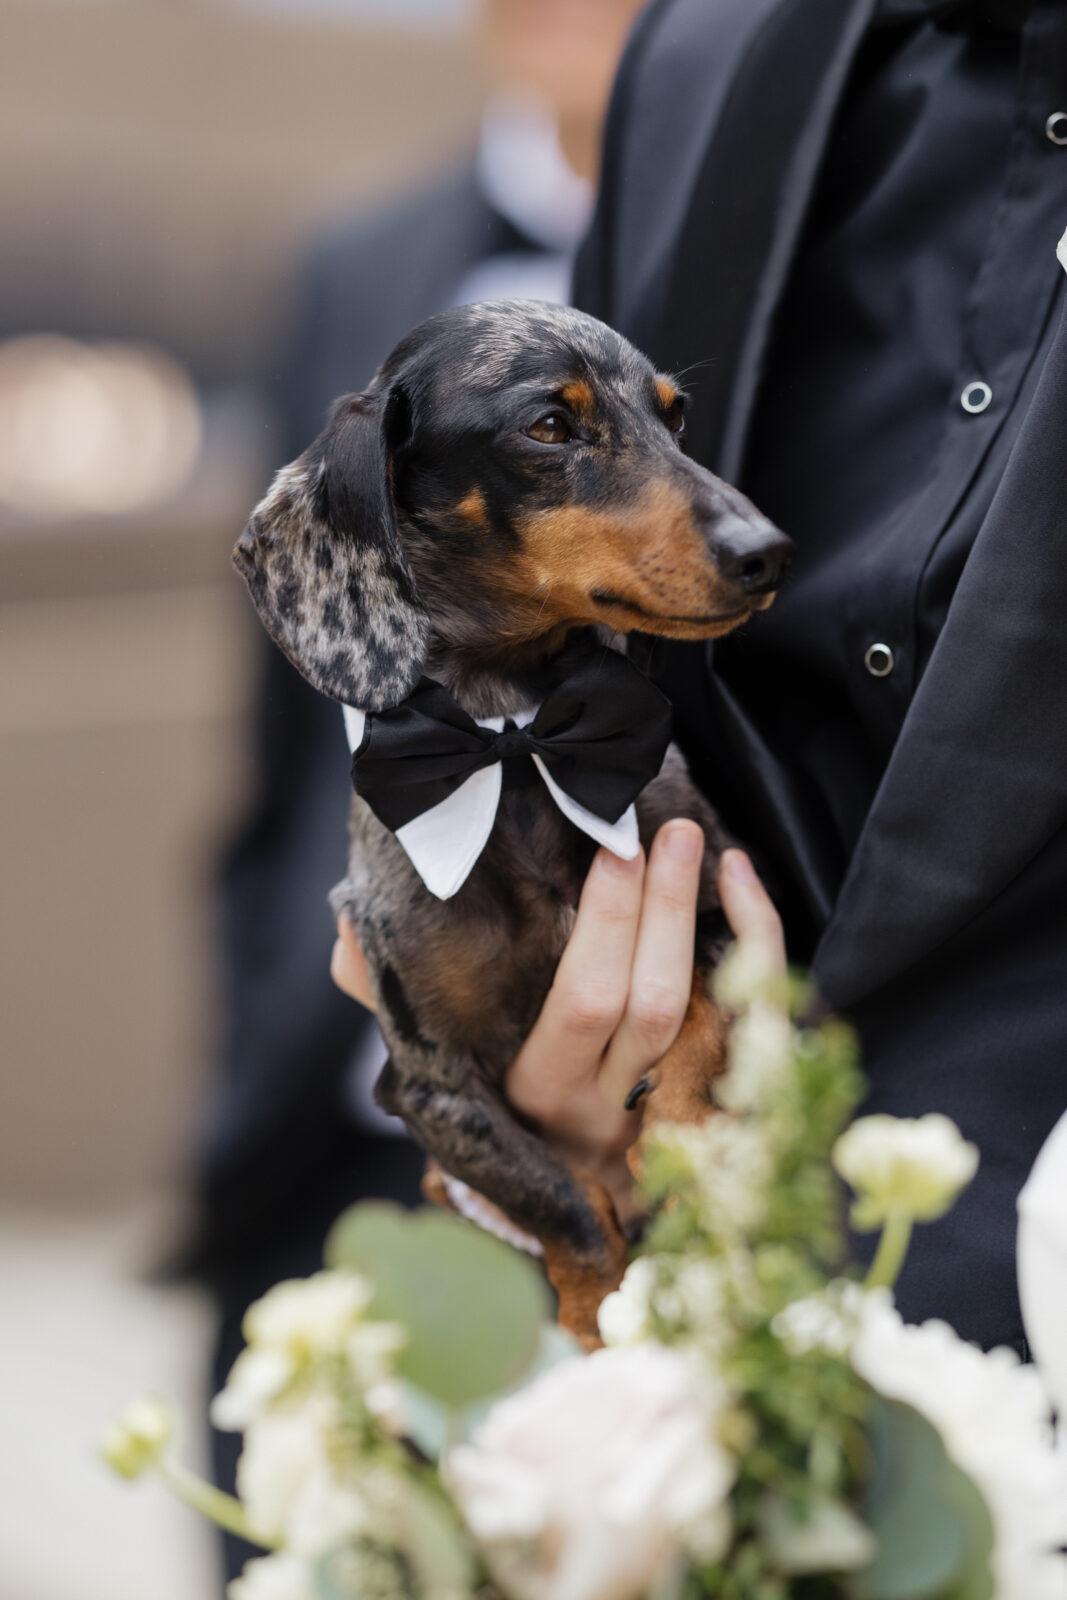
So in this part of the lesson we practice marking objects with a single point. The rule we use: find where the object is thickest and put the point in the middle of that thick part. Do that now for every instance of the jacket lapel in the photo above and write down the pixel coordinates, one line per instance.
(977, 783)
(703, 261)
(764, 139)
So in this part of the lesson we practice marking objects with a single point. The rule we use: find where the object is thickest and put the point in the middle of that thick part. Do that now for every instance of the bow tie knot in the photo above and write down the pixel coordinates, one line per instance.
(509, 743)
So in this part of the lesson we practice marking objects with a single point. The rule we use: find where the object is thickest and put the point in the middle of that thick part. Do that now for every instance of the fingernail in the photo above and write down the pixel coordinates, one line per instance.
(683, 841)
(736, 865)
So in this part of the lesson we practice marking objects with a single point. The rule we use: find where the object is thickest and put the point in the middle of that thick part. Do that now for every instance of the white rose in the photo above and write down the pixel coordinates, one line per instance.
(993, 1416)
(584, 1485)
(277, 1577)
(904, 1165)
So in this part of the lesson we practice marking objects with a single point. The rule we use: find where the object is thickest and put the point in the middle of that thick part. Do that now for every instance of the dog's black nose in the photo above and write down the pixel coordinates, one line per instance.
(754, 556)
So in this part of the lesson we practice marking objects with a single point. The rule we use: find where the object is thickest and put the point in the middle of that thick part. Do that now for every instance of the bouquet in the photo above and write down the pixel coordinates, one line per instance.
(760, 1424)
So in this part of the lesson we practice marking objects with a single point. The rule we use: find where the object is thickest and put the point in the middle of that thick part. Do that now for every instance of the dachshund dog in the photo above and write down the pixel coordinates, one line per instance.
(506, 502)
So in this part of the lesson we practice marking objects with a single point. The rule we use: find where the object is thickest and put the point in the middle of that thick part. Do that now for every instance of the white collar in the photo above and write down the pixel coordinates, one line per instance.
(444, 843)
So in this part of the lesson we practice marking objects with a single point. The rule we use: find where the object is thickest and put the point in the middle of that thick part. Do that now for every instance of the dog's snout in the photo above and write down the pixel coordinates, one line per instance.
(754, 556)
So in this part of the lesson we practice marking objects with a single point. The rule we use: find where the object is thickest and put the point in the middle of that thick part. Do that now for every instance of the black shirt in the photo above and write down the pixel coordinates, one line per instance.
(914, 323)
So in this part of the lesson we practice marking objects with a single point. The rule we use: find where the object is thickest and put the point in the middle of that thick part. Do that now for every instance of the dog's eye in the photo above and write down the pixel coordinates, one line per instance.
(674, 416)
(553, 428)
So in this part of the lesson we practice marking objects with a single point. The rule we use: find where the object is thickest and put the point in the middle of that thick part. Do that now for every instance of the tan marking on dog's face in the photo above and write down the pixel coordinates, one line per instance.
(472, 507)
(649, 557)
(581, 1283)
(580, 397)
(667, 392)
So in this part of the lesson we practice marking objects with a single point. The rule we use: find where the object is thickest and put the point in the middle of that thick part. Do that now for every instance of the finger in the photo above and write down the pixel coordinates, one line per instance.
(749, 908)
(661, 978)
(588, 995)
(348, 967)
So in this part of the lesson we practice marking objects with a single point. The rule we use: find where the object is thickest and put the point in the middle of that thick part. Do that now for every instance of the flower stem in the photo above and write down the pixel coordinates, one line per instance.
(224, 1510)
(892, 1248)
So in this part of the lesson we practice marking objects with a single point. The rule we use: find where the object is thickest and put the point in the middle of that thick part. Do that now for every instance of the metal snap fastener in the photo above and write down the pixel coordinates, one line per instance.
(878, 660)
(1056, 127)
(976, 396)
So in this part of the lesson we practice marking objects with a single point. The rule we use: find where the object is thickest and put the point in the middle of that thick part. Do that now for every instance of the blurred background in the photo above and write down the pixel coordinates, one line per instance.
(163, 167)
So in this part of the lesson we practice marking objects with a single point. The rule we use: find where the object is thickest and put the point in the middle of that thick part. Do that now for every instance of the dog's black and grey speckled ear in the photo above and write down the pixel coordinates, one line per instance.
(323, 560)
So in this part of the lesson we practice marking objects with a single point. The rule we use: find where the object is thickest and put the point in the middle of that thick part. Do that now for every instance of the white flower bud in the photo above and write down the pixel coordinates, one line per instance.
(904, 1166)
(623, 1315)
(137, 1438)
(256, 1380)
(277, 1577)
(308, 1316)
(372, 1348)
(759, 1059)
(747, 972)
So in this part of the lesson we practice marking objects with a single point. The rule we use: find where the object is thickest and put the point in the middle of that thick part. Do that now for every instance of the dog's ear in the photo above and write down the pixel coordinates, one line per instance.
(323, 559)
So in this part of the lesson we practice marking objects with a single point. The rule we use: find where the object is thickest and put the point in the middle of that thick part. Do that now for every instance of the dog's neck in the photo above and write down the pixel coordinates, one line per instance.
(503, 683)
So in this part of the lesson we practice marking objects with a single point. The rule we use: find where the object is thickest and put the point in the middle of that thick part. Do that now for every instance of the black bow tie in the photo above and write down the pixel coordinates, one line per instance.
(602, 734)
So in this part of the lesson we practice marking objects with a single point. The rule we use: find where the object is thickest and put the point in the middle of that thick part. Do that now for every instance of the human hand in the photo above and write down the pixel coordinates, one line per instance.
(616, 1004)
(621, 993)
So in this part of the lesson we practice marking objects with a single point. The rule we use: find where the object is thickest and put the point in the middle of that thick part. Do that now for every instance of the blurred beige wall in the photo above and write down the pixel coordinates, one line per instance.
(160, 163)
(161, 160)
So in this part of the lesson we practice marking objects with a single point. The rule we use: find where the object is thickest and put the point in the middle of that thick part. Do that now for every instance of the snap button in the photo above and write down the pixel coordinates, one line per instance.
(976, 396)
(1056, 127)
(878, 660)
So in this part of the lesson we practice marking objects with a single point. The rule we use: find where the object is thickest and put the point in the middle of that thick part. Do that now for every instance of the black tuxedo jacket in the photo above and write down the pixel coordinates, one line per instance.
(947, 941)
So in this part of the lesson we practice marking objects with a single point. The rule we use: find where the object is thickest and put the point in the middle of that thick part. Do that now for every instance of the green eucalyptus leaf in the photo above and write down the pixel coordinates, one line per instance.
(931, 1539)
(439, 1558)
(472, 1306)
(976, 1580)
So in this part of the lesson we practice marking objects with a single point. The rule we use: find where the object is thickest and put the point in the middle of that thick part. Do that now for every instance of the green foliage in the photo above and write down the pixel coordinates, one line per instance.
(472, 1307)
(799, 1429)
(933, 1529)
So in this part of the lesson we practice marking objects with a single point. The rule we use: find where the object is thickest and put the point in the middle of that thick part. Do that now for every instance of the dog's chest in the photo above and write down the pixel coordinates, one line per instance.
(470, 974)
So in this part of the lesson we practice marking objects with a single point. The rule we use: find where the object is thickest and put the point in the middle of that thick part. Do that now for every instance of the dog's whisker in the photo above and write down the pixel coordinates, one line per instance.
(695, 366)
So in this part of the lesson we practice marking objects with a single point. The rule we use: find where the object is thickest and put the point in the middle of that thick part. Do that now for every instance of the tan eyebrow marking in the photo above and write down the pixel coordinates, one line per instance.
(579, 395)
(668, 394)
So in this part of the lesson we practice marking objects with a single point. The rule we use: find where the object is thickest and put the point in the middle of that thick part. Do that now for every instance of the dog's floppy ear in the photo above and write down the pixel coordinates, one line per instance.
(323, 559)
